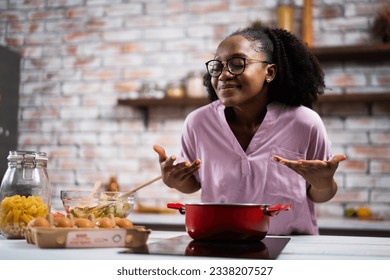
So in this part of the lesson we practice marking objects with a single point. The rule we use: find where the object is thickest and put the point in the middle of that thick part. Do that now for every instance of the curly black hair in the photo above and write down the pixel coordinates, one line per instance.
(299, 78)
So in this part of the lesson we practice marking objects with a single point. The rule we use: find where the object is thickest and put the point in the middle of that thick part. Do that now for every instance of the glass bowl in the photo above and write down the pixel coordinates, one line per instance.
(81, 204)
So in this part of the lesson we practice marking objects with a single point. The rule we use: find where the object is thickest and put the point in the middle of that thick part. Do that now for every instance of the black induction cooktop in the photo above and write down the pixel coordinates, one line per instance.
(268, 248)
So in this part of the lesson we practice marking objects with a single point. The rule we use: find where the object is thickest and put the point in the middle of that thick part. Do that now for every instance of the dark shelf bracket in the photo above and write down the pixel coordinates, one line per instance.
(144, 114)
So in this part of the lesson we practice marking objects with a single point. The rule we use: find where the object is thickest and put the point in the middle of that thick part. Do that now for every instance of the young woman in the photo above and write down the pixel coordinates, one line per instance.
(259, 141)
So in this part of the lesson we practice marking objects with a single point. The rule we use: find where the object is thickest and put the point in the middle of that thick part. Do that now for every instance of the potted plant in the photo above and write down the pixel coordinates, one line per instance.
(381, 25)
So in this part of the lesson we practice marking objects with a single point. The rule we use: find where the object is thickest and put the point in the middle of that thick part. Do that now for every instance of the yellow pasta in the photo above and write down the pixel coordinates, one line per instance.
(20, 210)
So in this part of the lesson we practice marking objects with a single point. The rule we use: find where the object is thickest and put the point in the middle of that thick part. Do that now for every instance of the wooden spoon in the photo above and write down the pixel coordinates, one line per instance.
(140, 187)
(125, 194)
(96, 188)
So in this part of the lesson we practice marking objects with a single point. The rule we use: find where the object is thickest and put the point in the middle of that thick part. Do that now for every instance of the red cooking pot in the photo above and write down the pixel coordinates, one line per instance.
(225, 222)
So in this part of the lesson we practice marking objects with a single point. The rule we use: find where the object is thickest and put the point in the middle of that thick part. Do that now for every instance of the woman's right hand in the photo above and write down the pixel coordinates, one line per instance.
(180, 175)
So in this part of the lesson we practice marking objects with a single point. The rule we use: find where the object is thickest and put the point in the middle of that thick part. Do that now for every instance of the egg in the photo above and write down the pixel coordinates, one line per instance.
(124, 223)
(105, 222)
(63, 222)
(39, 222)
(83, 223)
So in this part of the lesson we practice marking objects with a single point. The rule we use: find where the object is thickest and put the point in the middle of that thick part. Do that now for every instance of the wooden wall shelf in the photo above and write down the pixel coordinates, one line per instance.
(367, 53)
(164, 102)
(375, 52)
(196, 102)
(144, 104)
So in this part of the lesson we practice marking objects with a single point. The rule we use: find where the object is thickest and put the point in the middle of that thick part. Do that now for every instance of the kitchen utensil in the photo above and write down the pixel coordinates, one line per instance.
(223, 222)
(96, 188)
(137, 188)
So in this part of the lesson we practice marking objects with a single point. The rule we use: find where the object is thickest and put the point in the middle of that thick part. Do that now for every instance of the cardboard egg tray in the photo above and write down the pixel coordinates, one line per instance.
(86, 238)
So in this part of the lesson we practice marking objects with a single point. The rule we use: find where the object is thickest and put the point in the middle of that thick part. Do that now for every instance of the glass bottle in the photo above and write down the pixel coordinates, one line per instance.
(113, 185)
(307, 24)
(194, 85)
(285, 15)
(175, 90)
(25, 192)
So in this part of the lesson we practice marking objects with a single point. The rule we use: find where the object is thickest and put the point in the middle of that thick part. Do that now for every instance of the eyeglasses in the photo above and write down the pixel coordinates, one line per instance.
(235, 65)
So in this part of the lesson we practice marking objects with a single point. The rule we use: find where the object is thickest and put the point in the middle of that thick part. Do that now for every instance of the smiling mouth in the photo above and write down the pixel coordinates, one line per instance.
(228, 86)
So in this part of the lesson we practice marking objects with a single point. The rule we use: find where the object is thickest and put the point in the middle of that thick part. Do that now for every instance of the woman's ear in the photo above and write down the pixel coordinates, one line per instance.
(270, 72)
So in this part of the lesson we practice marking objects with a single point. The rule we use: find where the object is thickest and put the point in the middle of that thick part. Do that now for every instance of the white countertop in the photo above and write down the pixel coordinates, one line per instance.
(306, 247)
(323, 222)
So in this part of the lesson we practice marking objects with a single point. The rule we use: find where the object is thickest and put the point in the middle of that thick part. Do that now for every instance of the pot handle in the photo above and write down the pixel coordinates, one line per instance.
(178, 206)
(273, 210)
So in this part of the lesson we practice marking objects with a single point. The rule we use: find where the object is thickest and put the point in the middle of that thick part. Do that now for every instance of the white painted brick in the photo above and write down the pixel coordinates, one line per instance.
(42, 63)
(366, 89)
(350, 196)
(357, 38)
(123, 36)
(98, 152)
(333, 122)
(79, 113)
(57, 75)
(101, 2)
(81, 62)
(124, 9)
(344, 24)
(368, 123)
(128, 60)
(329, 209)
(55, 152)
(114, 164)
(85, 12)
(379, 166)
(123, 140)
(327, 39)
(184, 45)
(345, 137)
(98, 48)
(36, 139)
(345, 79)
(382, 195)
(380, 137)
(79, 56)
(63, 3)
(383, 181)
(42, 113)
(85, 178)
(79, 88)
(102, 126)
(60, 177)
(78, 139)
(65, 25)
(367, 181)
(164, 33)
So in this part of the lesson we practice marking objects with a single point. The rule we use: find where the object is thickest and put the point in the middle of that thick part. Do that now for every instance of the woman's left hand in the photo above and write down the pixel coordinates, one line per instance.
(318, 173)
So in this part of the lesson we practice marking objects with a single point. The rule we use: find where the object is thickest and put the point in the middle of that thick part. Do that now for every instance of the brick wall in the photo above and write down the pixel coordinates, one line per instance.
(79, 56)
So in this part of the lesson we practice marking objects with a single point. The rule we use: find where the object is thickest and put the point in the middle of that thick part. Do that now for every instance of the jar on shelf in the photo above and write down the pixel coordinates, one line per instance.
(112, 185)
(307, 22)
(151, 90)
(175, 90)
(25, 192)
(285, 14)
(194, 85)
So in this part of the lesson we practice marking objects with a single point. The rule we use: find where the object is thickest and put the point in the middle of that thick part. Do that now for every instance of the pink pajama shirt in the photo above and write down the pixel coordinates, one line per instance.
(228, 174)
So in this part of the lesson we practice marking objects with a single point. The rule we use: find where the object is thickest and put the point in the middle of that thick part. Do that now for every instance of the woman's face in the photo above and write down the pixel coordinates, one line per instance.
(235, 90)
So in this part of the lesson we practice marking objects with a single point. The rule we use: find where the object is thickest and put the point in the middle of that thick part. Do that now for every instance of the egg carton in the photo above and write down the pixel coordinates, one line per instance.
(79, 237)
